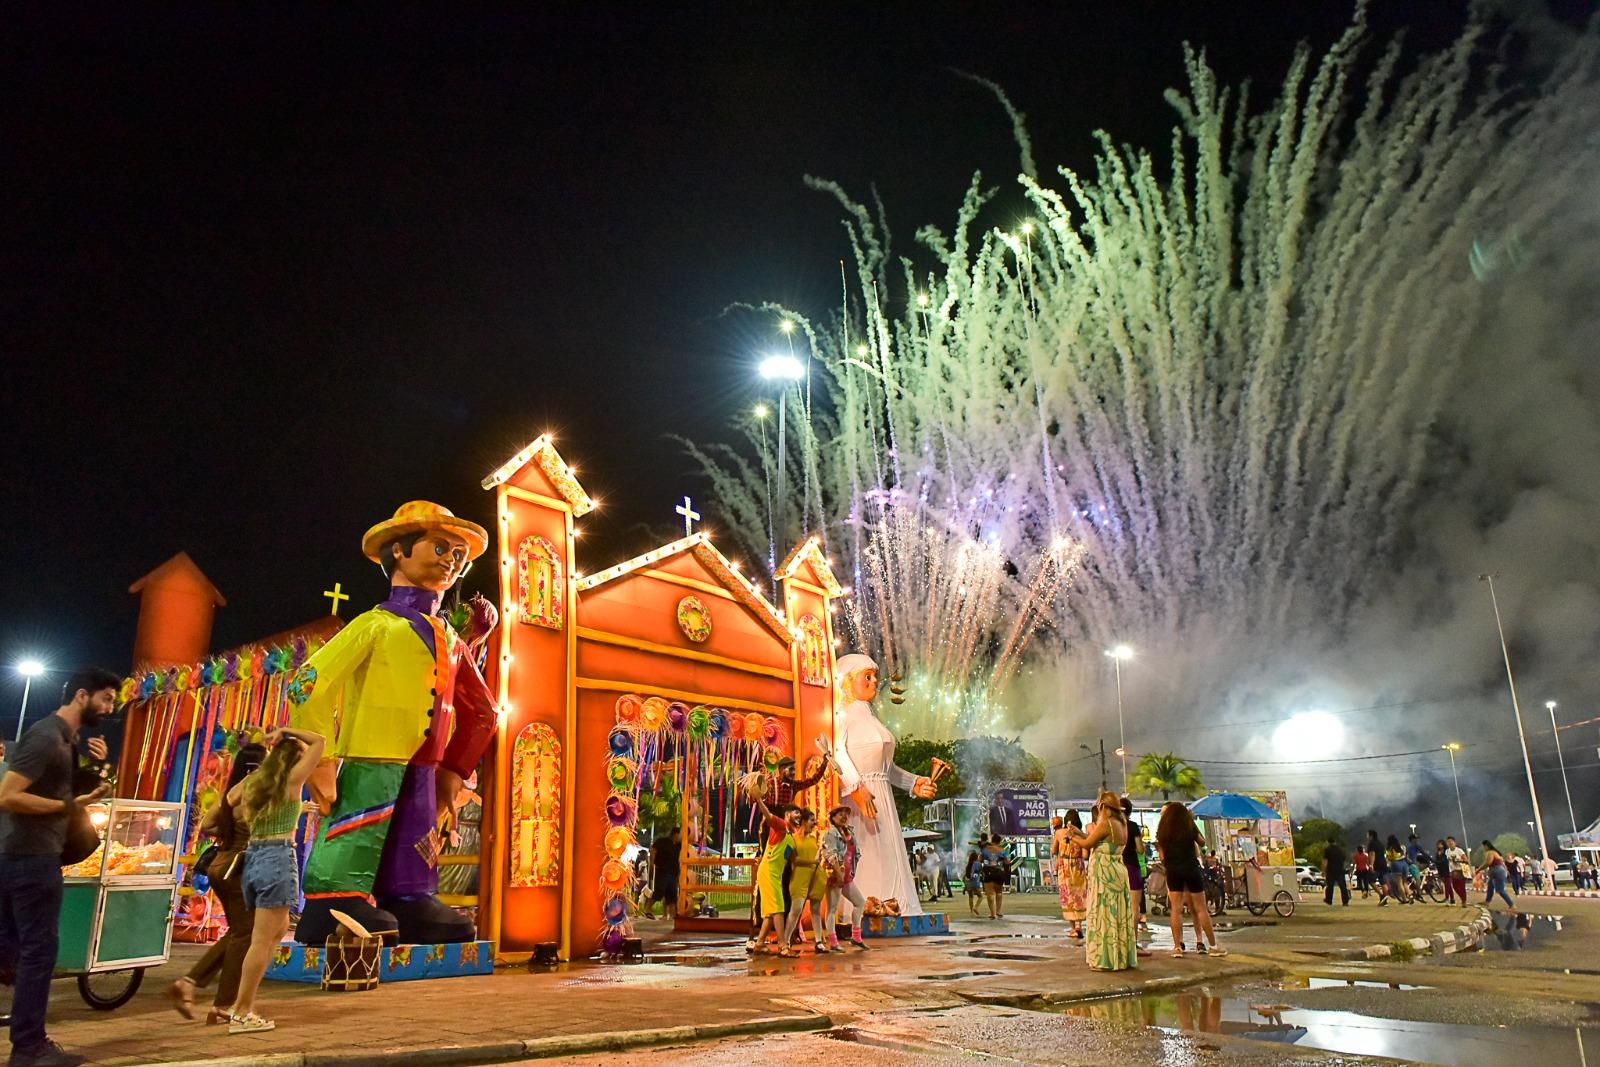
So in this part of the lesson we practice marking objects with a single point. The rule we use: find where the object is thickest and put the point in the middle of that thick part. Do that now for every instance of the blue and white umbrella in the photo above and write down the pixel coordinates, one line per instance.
(1231, 806)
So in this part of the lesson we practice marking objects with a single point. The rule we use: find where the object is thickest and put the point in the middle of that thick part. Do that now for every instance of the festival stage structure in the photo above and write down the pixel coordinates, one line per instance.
(668, 673)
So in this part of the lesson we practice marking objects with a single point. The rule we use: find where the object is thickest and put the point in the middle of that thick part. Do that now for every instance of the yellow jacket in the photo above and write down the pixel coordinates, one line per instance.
(376, 694)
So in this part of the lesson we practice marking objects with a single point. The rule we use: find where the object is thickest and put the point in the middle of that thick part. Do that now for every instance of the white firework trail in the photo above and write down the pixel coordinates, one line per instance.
(1207, 394)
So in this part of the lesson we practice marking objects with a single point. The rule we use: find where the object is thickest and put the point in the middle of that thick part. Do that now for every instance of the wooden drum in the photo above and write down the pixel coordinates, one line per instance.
(351, 962)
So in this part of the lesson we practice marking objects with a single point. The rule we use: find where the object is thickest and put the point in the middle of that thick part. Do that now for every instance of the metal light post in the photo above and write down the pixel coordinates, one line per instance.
(29, 669)
(784, 370)
(1453, 747)
(1118, 654)
(1516, 707)
(1550, 705)
(761, 413)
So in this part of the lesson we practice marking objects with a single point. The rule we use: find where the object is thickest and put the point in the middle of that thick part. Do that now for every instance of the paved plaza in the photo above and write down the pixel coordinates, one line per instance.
(702, 1000)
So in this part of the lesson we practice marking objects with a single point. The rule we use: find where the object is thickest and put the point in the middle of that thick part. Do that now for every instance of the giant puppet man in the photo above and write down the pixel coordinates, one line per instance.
(408, 717)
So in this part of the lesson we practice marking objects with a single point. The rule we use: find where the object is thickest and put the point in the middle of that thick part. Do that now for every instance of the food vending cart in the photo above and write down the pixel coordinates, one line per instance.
(1256, 849)
(116, 908)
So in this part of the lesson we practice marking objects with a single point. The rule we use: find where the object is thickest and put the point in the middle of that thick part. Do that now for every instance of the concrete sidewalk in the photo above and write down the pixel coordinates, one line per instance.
(690, 990)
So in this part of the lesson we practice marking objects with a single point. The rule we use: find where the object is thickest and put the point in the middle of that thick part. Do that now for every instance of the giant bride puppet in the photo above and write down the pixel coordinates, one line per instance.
(863, 751)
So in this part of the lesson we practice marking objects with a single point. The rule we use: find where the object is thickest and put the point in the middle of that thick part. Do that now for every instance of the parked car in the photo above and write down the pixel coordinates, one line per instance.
(1306, 874)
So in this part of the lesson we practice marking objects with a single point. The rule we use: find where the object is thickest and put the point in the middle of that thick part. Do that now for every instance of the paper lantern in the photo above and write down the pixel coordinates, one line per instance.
(617, 840)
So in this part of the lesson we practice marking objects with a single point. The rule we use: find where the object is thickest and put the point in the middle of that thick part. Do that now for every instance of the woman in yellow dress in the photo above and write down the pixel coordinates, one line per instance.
(808, 883)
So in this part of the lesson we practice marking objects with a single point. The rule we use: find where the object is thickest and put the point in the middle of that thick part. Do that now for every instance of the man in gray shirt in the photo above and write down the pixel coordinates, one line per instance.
(35, 802)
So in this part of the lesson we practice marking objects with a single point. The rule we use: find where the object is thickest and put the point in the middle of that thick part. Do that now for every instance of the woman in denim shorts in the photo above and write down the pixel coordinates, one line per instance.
(270, 799)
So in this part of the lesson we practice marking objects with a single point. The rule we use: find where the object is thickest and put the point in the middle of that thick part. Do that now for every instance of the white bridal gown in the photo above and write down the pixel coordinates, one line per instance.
(864, 750)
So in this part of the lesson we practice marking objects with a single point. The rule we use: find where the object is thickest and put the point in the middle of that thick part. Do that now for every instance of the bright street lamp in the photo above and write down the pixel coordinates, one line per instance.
(1118, 653)
(29, 669)
(1550, 706)
(1453, 747)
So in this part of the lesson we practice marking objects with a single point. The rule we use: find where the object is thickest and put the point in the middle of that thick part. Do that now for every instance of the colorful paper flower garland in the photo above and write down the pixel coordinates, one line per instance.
(706, 744)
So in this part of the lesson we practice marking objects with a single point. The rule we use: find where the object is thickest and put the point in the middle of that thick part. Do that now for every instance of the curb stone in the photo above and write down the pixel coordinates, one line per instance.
(508, 1051)
(1444, 942)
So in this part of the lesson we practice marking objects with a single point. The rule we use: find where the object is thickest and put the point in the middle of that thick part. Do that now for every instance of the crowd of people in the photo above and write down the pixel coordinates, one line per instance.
(1401, 873)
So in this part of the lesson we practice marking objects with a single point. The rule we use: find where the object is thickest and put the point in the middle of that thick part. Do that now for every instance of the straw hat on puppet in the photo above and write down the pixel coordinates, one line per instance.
(420, 516)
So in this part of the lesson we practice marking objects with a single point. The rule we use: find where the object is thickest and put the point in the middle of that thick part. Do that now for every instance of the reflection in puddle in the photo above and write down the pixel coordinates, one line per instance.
(1346, 983)
(992, 954)
(1517, 930)
(955, 976)
(1340, 1031)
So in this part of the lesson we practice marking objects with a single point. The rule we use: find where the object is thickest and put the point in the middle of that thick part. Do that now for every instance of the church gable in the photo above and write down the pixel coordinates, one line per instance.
(539, 469)
(693, 565)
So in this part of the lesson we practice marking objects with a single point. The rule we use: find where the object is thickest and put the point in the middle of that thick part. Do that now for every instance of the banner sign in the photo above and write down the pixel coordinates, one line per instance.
(1020, 812)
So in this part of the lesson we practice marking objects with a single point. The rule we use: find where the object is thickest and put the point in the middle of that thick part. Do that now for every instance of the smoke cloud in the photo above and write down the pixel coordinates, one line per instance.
(1292, 388)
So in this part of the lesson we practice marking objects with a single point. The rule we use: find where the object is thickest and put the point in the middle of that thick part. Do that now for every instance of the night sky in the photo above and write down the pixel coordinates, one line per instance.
(270, 271)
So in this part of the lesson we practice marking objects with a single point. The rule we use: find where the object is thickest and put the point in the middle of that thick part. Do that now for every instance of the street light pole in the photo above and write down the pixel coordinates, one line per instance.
(761, 413)
(29, 669)
(1516, 707)
(1550, 705)
(1452, 748)
(783, 369)
(1118, 654)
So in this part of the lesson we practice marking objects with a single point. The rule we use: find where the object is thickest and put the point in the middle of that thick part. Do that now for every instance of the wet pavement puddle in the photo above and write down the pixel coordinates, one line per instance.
(1256, 1018)
(955, 976)
(1518, 930)
(991, 954)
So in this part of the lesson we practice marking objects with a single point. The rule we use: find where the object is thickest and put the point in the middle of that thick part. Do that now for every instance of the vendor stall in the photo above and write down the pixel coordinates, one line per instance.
(1256, 848)
(116, 909)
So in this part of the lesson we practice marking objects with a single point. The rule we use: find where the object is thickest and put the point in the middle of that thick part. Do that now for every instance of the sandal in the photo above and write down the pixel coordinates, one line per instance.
(181, 993)
(788, 953)
(1177, 954)
(250, 1023)
(216, 1015)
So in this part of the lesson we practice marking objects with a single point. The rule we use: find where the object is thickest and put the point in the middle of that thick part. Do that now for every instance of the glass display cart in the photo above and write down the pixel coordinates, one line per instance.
(116, 908)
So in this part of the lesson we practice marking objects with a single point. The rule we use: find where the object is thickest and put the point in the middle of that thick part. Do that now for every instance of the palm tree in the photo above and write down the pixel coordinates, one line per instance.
(1166, 773)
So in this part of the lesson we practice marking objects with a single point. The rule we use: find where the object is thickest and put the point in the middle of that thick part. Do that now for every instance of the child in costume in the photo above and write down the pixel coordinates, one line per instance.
(839, 854)
(407, 717)
(808, 882)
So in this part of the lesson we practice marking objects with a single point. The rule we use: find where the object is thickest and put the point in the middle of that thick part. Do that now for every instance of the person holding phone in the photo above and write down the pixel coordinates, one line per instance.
(36, 803)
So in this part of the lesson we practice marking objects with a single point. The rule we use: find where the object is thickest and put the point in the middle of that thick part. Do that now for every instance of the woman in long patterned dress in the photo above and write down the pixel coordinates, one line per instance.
(1071, 876)
(1109, 939)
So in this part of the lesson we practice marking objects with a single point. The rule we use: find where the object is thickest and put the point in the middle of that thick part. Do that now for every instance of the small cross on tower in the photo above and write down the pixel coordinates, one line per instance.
(335, 594)
(690, 516)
